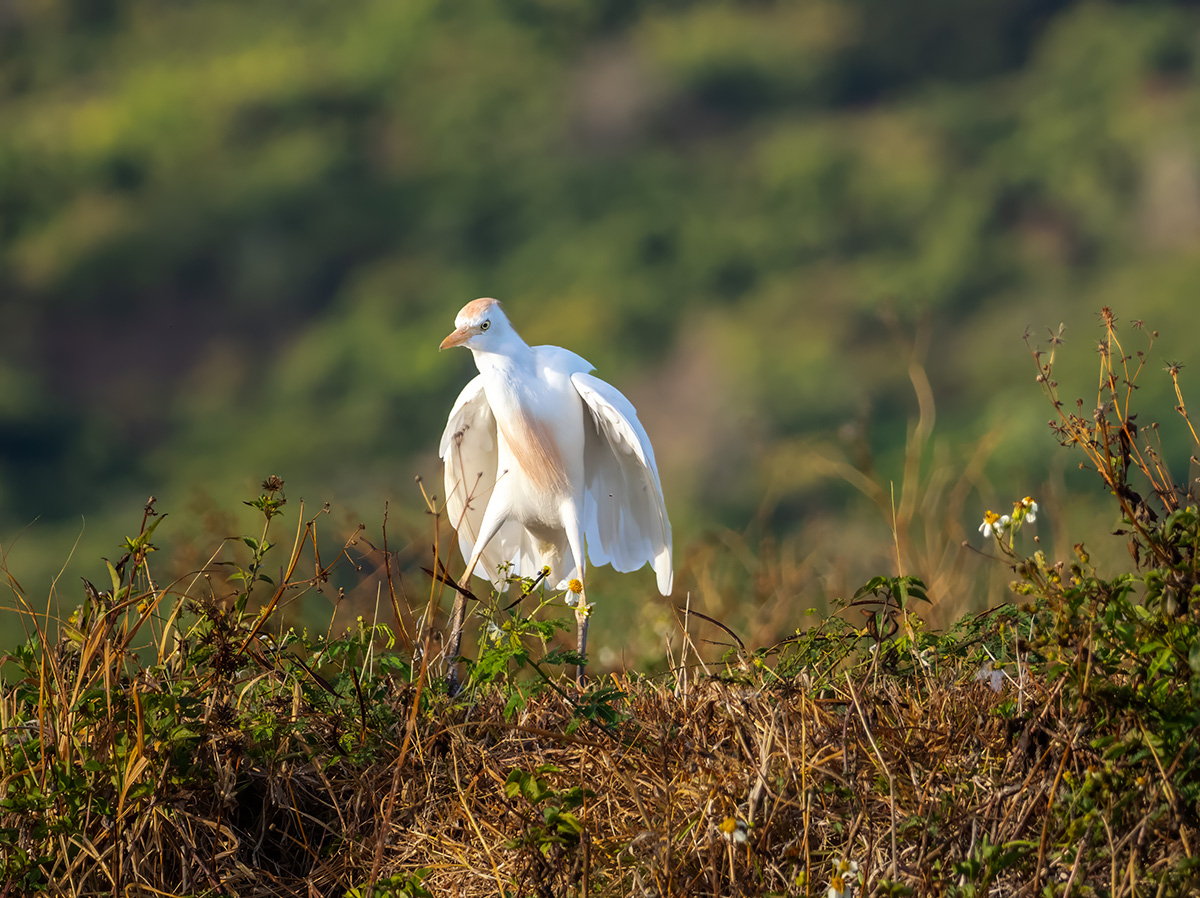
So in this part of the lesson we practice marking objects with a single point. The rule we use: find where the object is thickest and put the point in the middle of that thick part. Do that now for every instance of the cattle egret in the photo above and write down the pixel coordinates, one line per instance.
(541, 457)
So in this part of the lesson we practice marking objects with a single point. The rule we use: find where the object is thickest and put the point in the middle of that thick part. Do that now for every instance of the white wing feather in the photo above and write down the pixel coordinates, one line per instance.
(468, 449)
(618, 464)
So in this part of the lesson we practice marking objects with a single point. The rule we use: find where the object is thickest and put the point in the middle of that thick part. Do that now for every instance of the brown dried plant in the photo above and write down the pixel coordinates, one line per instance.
(177, 738)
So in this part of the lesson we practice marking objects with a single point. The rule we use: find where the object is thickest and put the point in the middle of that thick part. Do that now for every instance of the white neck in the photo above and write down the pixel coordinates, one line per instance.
(508, 353)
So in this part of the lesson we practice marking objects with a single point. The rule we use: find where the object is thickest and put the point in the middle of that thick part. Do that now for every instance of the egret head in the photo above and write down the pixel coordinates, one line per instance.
(480, 324)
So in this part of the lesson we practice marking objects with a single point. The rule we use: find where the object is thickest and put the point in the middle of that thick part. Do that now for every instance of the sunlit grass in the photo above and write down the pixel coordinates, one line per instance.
(184, 733)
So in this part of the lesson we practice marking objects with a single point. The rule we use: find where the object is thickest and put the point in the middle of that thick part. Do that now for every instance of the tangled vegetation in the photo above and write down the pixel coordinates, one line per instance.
(176, 738)
(233, 234)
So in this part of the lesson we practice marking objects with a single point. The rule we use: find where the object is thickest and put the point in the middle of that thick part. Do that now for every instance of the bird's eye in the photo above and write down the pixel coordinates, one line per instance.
(485, 325)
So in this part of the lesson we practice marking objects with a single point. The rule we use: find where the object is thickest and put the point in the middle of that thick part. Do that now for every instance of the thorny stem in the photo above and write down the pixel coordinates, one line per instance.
(1173, 370)
(1110, 451)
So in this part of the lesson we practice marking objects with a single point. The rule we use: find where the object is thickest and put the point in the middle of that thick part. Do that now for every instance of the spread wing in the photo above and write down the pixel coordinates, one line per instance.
(468, 449)
(625, 517)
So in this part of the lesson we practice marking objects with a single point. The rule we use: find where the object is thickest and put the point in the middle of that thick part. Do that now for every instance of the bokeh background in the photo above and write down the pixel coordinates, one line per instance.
(801, 236)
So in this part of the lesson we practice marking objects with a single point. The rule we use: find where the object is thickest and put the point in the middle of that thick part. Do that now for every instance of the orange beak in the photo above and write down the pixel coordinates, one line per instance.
(459, 337)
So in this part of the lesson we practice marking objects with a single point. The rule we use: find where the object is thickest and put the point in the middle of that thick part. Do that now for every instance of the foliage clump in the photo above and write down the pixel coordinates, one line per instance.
(178, 737)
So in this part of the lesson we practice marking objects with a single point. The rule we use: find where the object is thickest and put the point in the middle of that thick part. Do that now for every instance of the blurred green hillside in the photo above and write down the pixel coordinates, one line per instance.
(232, 235)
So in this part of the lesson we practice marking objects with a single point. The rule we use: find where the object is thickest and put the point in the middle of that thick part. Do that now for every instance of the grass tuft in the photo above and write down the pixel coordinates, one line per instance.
(178, 738)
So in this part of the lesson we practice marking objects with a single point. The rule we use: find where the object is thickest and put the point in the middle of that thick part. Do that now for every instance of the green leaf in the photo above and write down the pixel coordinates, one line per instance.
(112, 573)
(1164, 658)
(154, 526)
(513, 784)
(535, 789)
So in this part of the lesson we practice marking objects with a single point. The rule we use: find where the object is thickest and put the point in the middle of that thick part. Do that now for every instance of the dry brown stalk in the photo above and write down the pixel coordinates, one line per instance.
(660, 787)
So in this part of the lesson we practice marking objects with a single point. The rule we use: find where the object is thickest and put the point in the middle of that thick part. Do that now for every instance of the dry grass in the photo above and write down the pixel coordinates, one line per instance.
(263, 777)
(158, 742)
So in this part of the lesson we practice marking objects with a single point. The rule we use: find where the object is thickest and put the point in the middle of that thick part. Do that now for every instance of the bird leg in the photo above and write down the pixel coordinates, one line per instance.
(583, 613)
(575, 539)
(493, 517)
(458, 614)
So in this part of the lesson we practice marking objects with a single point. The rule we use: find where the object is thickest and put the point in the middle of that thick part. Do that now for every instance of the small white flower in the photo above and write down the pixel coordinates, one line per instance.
(990, 676)
(845, 878)
(574, 591)
(991, 524)
(494, 634)
(1031, 509)
(734, 830)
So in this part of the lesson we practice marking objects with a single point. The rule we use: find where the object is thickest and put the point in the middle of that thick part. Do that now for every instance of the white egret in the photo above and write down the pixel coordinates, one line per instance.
(542, 458)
